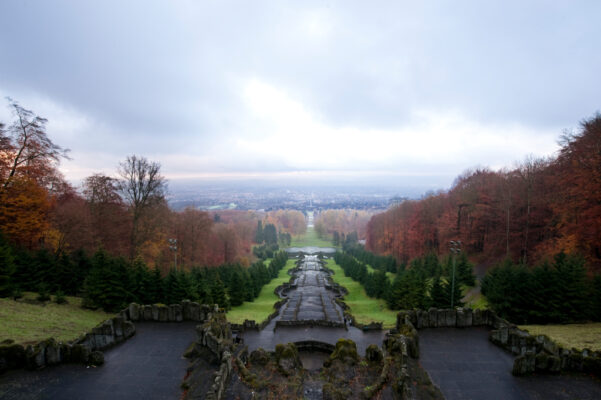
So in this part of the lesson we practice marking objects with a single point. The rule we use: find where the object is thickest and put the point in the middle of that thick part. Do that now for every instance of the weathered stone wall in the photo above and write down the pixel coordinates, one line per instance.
(534, 353)
(85, 349)
(399, 346)
(186, 311)
(310, 322)
(216, 336)
(541, 354)
(448, 318)
(88, 348)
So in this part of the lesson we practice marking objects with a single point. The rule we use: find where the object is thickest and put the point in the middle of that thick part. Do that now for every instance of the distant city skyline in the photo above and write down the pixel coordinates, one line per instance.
(412, 92)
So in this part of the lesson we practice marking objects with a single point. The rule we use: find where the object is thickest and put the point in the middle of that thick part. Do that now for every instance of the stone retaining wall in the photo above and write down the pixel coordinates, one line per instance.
(215, 335)
(534, 353)
(541, 354)
(448, 318)
(310, 322)
(186, 311)
(87, 349)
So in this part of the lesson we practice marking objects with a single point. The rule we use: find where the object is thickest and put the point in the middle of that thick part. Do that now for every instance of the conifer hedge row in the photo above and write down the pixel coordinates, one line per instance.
(425, 283)
(110, 282)
(560, 291)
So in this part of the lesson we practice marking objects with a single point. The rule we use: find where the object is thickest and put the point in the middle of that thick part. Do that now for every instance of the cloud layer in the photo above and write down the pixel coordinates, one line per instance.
(211, 88)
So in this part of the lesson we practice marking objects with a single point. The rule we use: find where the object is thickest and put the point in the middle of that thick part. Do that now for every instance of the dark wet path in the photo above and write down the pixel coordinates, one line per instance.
(466, 365)
(148, 366)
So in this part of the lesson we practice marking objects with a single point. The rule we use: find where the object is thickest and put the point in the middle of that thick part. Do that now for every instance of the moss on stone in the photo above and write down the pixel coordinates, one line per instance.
(259, 357)
(345, 351)
(335, 392)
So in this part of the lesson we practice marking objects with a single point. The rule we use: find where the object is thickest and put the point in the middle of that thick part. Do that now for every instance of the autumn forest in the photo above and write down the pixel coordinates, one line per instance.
(527, 213)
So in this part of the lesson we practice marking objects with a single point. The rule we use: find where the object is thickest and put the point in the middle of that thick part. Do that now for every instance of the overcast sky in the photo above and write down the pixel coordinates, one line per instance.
(231, 88)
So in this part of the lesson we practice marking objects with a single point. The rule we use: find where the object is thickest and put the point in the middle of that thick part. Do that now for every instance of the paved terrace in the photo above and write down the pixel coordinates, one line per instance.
(148, 366)
(466, 365)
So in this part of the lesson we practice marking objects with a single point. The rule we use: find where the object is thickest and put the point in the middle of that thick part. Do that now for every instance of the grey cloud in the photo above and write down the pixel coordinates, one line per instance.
(162, 76)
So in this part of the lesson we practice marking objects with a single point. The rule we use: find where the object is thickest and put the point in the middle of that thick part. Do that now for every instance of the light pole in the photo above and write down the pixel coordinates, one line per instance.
(173, 248)
(455, 247)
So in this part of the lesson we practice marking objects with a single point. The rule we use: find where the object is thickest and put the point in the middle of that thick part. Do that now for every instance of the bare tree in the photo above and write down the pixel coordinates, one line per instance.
(141, 186)
(101, 189)
(26, 145)
(529, 172)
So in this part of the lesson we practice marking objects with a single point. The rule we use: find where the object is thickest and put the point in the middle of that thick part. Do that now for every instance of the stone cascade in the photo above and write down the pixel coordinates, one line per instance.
(312, 300)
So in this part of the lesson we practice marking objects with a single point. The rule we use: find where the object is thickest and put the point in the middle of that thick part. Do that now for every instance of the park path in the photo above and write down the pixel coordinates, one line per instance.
(148, 366)
(464, 364)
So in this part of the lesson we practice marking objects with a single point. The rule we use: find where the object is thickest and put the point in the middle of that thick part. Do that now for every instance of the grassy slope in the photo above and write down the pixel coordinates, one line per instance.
(310, 238)
(473, 297)
(579, 336)
(29, 323)
(262, 306)
(390, 275)
(365, 309)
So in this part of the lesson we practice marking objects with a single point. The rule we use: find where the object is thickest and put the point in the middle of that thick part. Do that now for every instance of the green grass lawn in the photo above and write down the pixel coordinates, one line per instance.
(389, 275)
(365, 309)
(579, 336)
(259, 309)
(310, 238)
(26, 321)
(473, 297)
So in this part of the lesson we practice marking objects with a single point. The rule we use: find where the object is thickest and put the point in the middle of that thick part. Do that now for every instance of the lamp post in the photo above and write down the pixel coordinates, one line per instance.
(173, 248)
(455, 247)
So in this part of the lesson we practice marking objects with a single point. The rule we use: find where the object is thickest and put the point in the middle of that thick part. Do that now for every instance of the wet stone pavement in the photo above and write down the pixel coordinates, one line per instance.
(148, 366)
(464, 364)
(311, 300)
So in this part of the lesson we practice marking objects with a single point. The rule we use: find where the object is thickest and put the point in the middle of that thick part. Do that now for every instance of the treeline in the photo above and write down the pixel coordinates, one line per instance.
(111, 282)
(426, 282)
(344, 240)
(342, 222)
(126, 214)
(384, 263)
(269, 240)
(526, 214)
(291, 222)
(557, 292)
